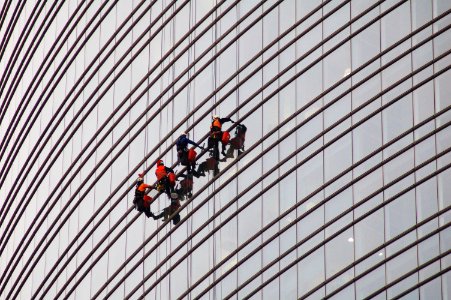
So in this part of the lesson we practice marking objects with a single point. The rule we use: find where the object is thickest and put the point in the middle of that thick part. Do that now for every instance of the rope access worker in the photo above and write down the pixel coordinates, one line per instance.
(182, 151)
(166, 179)
(216, 135)
(142, 200)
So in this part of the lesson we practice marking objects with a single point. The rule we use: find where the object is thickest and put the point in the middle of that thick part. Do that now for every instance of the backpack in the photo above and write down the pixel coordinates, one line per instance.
(225, 137)
(192, 155)
(171, 177)
(147, 201)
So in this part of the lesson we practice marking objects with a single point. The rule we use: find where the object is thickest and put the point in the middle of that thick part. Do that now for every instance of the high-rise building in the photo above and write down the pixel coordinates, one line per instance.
(343, 190)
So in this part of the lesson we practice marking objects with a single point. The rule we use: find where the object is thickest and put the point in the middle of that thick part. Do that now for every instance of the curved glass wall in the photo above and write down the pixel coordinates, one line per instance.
(343, 188)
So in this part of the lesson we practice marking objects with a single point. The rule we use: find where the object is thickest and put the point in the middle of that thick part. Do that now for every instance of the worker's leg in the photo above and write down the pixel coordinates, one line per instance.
(176, 219)
(148, 212)
(139, 204)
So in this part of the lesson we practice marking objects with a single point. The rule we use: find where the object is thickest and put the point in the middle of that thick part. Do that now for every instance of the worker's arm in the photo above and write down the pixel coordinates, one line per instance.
(193, 143)
(148, 188)
(224, 120)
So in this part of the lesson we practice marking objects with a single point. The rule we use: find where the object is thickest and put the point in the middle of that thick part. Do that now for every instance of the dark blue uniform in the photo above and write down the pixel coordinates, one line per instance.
(183, 141)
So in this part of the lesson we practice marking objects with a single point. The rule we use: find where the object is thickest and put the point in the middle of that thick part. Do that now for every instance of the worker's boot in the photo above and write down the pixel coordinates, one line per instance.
(150, 215)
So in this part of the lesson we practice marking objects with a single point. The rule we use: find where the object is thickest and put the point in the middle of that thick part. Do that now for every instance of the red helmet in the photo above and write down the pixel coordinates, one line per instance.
(159, 163)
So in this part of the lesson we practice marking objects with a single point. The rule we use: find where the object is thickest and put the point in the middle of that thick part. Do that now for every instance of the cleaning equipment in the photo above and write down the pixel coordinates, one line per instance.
(171, 178)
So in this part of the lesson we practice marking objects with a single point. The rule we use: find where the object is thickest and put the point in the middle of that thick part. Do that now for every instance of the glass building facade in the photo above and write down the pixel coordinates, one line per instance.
(343, 190)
